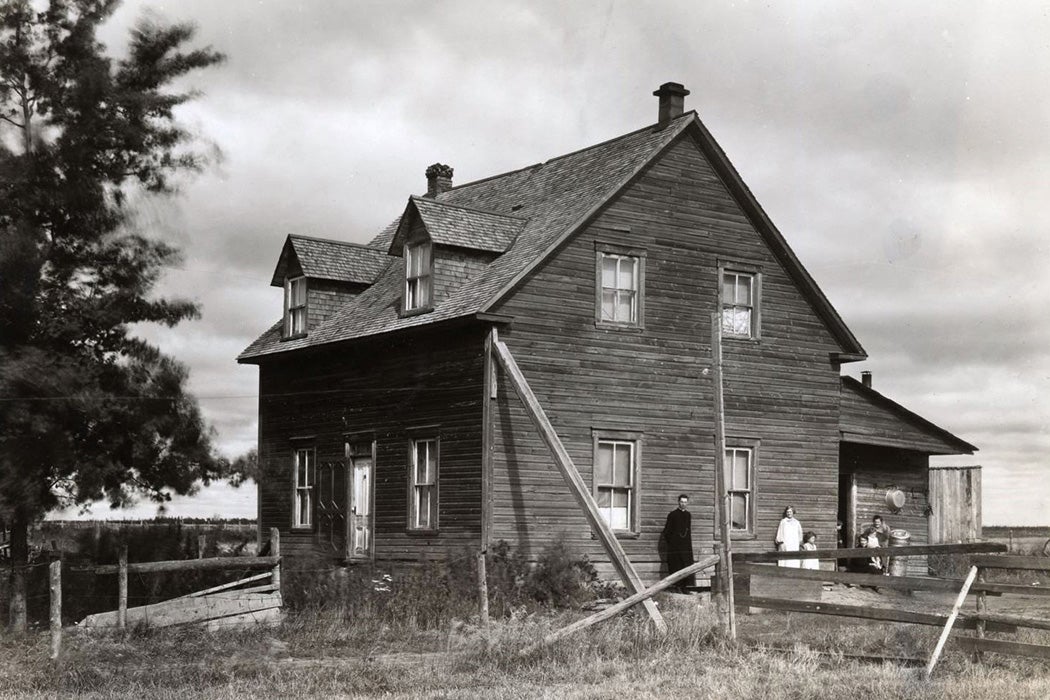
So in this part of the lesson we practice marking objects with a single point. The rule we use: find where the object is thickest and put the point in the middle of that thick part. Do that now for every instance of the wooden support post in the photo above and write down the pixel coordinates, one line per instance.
(624, 604)
(483, 591)
(122, 588)
(55, 571)
(202, 541)
(723, 507)
(982, 609)
(951, 621)
(572, 477)
(275, 551)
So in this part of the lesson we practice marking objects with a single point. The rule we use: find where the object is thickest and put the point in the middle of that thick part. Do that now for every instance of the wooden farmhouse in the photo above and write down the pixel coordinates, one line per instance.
(422, 393)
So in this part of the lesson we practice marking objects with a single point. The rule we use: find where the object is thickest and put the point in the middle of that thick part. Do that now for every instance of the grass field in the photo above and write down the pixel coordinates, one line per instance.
(323, 653)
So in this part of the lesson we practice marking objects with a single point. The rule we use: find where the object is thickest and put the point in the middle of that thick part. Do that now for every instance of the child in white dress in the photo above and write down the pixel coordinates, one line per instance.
(809, 543)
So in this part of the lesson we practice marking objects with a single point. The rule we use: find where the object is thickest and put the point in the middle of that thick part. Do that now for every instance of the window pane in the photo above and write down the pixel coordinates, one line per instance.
(422, 477)
(422, 506)
(738, 511)
(604, 498)
(423, 297)
(608, 305)
(738, 461)
(625, 280)
(608, 272)
(728, 288)
(743, 290)
(625, 307)
(737, 321)
(622, 465)
(603, 468)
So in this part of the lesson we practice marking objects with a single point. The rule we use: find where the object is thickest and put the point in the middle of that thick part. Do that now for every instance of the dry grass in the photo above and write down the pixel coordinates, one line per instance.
(323, 653)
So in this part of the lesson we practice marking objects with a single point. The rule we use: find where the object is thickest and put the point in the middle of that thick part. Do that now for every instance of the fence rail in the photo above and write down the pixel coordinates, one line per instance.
(760, 564)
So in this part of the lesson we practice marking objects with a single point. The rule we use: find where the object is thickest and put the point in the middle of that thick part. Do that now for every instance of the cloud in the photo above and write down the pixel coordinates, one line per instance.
(901, 149)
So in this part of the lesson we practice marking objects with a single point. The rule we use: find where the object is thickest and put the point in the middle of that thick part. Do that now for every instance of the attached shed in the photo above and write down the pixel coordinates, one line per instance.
(884, 465)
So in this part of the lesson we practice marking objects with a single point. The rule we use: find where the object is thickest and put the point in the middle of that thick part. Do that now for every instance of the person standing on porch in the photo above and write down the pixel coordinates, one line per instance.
(678, 534)
(789, 537)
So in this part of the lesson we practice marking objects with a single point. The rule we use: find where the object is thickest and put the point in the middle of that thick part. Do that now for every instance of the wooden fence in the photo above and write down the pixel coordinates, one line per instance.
(230, 604)
(764, 564)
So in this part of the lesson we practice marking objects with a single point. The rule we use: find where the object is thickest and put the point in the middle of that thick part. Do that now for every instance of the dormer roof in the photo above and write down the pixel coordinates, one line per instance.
(321, 258)
(458, 226)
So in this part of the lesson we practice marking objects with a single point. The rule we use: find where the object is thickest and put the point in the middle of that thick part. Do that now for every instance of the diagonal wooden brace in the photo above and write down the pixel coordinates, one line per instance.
(576, 484)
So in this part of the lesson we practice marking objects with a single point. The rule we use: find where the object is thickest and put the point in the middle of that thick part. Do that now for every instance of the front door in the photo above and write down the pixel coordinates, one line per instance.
(359, 523)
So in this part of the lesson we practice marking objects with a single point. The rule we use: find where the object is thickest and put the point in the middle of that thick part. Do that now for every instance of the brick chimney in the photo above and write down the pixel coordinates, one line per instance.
(439, 179)
(865, 378)
(672, 100)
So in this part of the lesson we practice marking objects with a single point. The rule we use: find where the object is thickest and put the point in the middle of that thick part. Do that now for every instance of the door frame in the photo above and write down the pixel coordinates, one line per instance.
(358, 439)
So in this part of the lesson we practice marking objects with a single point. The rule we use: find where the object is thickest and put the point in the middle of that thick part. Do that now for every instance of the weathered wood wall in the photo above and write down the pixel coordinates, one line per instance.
(385, 389)
(877, 470)
(781, 390)
(955, 495)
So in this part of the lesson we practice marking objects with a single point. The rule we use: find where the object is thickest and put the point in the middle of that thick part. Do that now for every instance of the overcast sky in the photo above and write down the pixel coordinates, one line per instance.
(902, 148)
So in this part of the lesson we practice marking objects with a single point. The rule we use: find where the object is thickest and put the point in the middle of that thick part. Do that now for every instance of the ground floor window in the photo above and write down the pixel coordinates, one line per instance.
(423, 484)
(616, 460)
(740, 462)
(303, 486)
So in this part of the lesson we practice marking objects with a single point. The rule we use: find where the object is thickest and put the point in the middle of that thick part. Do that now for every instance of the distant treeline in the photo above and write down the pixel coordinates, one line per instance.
(997, 531)
(156, 521)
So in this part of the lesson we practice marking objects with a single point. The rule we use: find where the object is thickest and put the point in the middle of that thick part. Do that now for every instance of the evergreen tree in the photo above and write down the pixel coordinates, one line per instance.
(87, 409)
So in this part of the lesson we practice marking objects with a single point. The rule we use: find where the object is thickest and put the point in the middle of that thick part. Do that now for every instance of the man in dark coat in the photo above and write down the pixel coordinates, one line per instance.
(678, 535)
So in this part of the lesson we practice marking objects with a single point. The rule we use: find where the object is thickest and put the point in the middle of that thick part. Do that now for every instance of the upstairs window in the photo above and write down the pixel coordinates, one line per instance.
(419, 286)
(616, 479)
(423, 485)
(740, 297)
(303, 487)
(620, 287)
(294, 306)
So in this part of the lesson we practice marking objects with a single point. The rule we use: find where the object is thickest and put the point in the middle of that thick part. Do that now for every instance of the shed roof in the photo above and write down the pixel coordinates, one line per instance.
(867, 417)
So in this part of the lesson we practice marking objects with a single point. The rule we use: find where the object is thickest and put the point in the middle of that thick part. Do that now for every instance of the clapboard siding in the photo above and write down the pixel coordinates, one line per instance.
(877, 470)
(782, 390)
(388, 390)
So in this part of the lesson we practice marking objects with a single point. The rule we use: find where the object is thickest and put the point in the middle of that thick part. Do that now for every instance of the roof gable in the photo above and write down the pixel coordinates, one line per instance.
(458, 226)
(321, 258)
(552, 201)
(867, 417)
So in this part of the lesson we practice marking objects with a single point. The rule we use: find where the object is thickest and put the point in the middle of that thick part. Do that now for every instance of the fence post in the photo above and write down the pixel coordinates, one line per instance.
(483, 590)
(982, 605)
(56, 608)
(122, 589)
(275, 551)
(202, 540)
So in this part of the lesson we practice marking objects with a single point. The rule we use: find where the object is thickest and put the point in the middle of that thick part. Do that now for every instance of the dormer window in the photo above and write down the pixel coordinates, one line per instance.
(419, 270)
(294, 307)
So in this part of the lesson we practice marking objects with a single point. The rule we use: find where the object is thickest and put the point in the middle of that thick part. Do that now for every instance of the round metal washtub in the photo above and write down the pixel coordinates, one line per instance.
(899, 565)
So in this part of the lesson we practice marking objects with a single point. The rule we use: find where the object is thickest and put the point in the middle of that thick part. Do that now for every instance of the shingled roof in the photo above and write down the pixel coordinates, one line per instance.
(552, 200)
(321, 258)
(454, 225)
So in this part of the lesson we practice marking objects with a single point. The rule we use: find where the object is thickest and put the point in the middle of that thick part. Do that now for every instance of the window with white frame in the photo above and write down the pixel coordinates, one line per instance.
(294, 306)
(740, 477)
(620, 286)
(615, 480)
(303, 487)
(739, 303)
(419, 287)
(423, 485)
